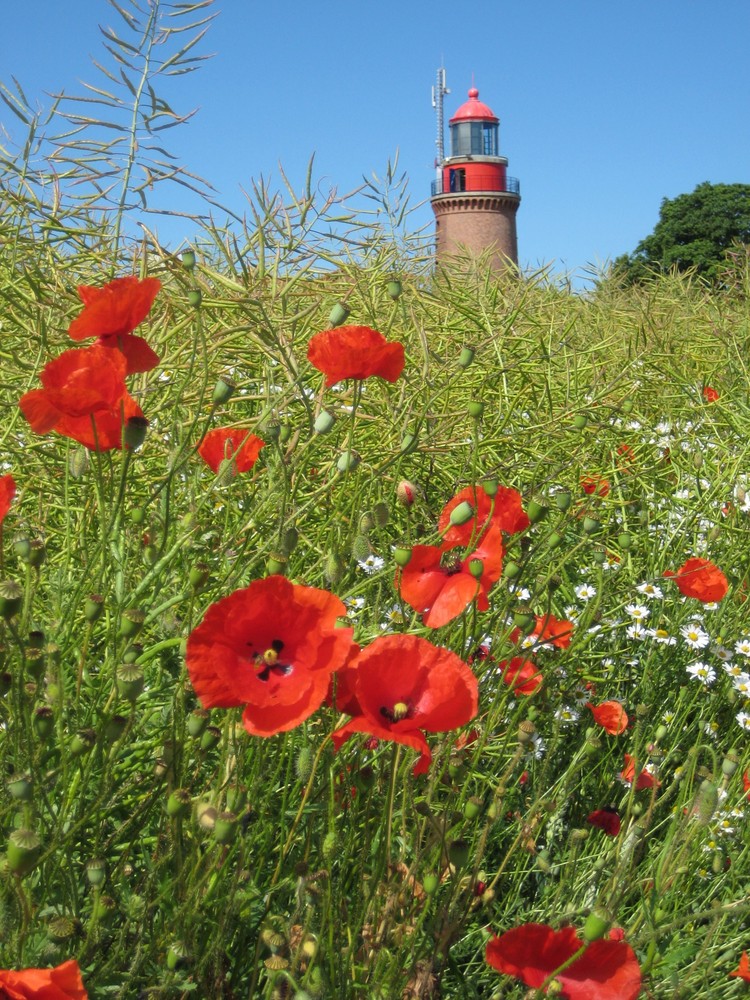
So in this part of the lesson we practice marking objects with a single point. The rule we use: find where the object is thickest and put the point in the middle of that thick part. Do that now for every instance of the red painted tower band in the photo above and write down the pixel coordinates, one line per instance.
(473, 198)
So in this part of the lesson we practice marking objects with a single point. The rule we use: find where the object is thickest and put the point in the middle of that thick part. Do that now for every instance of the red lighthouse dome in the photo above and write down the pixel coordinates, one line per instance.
(474, 108)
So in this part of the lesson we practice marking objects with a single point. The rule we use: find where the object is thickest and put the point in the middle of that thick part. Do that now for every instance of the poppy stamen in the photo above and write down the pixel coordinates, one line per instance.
(399, 711)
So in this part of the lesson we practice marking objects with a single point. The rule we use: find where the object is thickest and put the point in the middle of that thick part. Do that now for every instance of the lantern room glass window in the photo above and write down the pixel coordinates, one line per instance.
(474, 139)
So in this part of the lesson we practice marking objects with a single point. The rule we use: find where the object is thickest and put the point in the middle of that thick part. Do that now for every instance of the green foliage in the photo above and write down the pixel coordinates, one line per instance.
(694, 233)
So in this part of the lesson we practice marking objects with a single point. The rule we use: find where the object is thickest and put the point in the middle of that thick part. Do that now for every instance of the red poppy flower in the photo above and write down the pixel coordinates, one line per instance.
(710, 395)
(610, 715)
(644, 780)
(7, 492)
(355, 352)
(595, 484)
(504, 511)
(746, 784)
(605, 819)
(83, 397)
(522, 675)
(230, 442)
(61, 983)
(606, 970)
(701, 579)
(271, 647)
(112, 313)
(743, 969)
(404, 685)
(548, 629)
(345, 680)
(440, 583)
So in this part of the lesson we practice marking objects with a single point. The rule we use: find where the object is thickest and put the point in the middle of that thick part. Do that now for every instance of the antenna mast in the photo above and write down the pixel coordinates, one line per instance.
(438, 92)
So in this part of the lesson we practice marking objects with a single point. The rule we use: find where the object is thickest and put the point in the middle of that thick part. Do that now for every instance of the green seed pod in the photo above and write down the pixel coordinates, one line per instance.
(276, 564)
(563, 501)
(730, 764)
(511, 570)
(338, 314)
(490, 485)
(285, 433)
(526, 731)
(78, 463)
(137, 515)
(178, 956)
(409, 443)
(179, 803)
(132, 652)
(198, 576)
(475, 408)
(224, 389)
(23, 851)
(324, 422)
(131, 623)
(36, 639)
(580, 420)
(104, 910)
(43, 721)
(402, 556)
(63, 929)
(236, 798)
(194, 298)
(150, 555)
(476, 568)
(93, 607)
(35, 663)
(115, 728)
(596, 926)
(536, 512)
(472, 808)
(625, 540)
(82, 742)
(461, 513)
(599, 556)
(466, 356)
(96, 871)
(210, 738)
(348, 461)
(225, 828)
(205, 815)
(20, 787)
(591, 526)
(554, 539)
(188, 259)
(11, 599)
(394, 289)
(197, 722)
(627, 406)
(37, 553)
(661, 733)
(135, 432)
(130, 681)
(22, 547)
(430, 883)
(524, 619)
(459, 853)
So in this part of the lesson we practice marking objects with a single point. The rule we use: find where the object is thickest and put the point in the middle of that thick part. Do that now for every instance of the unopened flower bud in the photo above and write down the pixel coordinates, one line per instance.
(79, 463)
(475, 408)
(406, 493)
(459, 853)
(381, 514)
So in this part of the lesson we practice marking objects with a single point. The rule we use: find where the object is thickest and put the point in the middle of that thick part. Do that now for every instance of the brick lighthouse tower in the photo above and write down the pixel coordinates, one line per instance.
(474, 200)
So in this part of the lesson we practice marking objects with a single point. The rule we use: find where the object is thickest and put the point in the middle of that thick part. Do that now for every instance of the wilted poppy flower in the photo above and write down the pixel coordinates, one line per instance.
(504, 511)
(7, 492)
(405, 685)
(522, 675)
(439, 581)
(605, 819)
(743, 969)
(606, 970)
(595, 484)
(271, 647)
(644, 780)
(701, 579)
(355, 352)
(710, 395)
(230, 442)
(610, 715)
(547, 629)
(83, 397)
(61, 983)
(112, 312)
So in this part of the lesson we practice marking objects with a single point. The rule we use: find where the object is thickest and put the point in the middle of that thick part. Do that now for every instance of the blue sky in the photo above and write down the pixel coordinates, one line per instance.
(605, 108)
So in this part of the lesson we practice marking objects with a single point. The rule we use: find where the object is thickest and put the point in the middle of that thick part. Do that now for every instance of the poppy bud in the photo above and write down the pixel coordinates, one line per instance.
(536, 511)
(198, 576)
(135, 432)
(563, 501)
(361, 549)
(466, 356)
(328, 848)
(276, 564)
(348, 461)
(225, 828)
(333, 568)
(79, 463)
(131, 623)
(290, 539)
(394, 289)
(409, 443)
(381, 514)
(338, 314)
(188, 260)
(205, 815)
(706, 802)
(20, 787)
(22, 853)
(475, 408)
(178, 803)
(194, 298)
(11, 599)
(596, 926)
(130, 681)
(406, 493)
(324, 422)
(461, 513)
(236, 798)
(96, 871)
(224, 389)
(285, 432)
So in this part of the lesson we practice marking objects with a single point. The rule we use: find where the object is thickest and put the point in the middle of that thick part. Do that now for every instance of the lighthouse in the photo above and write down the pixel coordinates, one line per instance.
(473, 198)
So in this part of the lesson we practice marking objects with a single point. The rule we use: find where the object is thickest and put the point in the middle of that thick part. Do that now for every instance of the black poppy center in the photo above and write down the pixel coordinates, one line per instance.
(399, 711)
(268, 662)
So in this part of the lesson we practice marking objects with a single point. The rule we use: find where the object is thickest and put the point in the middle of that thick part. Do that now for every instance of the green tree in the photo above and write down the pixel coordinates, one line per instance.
(694, 231)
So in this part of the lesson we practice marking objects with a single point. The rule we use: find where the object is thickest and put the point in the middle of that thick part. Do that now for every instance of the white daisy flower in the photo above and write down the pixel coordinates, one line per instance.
(744, 720)
(584, 591)
(702, 672)
(742, 646)
(694, 636)
(650, 590)
(566, 715)
(637, 631)
(637, 611)
(372, 564)
(663, 637)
